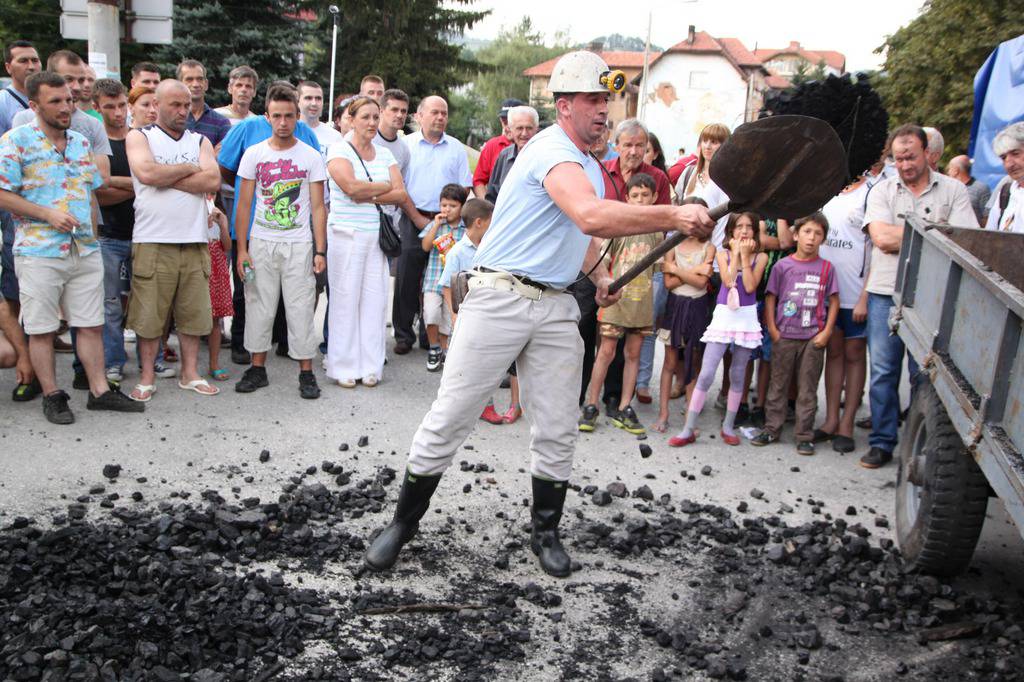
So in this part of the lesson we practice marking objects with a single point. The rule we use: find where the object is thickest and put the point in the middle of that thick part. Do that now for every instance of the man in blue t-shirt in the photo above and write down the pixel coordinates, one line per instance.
(541, 236)
(242, 136)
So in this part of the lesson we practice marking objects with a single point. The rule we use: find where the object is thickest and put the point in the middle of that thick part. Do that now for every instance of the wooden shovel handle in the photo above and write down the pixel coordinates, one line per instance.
(717, 213)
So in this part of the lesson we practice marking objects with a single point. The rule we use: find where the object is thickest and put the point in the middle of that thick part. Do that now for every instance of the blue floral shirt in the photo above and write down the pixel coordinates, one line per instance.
(31, 166)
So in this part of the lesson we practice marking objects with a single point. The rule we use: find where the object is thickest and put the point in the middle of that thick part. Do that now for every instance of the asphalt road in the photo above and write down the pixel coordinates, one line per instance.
(185, 442)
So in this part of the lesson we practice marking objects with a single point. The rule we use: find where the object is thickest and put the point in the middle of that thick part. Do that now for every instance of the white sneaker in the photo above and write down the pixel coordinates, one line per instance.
(164, 372)
(129, 336)
(347, 383)
(115, 374)
(371, 381)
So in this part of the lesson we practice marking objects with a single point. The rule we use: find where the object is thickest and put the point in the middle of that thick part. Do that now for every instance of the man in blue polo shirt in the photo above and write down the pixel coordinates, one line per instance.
(517, 309)
(436, 159)
(241, 137)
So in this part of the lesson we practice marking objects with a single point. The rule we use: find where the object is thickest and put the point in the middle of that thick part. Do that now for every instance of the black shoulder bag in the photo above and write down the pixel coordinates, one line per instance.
(388, 240)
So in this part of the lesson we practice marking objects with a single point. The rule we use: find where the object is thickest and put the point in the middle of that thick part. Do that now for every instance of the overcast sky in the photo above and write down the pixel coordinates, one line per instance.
(853, 27)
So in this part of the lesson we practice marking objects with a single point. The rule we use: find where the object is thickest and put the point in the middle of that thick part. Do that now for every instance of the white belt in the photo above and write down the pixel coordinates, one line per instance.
(503, 281)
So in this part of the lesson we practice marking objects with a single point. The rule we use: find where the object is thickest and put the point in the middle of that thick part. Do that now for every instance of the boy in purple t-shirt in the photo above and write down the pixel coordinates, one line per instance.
(801, 306)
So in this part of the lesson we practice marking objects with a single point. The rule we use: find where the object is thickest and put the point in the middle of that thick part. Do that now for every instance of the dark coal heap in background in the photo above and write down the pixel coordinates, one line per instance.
(171, 593)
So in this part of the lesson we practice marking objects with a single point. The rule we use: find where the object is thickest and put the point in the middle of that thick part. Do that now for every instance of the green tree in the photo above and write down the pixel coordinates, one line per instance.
(268, 35)
(39, 22)
(930, 63)
(502, 63)
(406, 42)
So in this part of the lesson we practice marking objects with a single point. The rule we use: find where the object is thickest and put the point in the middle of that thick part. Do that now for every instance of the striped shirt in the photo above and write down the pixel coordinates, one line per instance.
(347, 215)
(436, 259)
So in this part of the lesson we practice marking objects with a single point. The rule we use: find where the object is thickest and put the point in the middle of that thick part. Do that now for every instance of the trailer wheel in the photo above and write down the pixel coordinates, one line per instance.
(941, 494)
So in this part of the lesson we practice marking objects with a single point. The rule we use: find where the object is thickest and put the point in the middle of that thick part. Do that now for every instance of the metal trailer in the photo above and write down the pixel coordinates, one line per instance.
(959, 306)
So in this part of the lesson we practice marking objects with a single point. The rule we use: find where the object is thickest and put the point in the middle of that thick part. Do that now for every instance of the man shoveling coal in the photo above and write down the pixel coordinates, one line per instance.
(542, 235)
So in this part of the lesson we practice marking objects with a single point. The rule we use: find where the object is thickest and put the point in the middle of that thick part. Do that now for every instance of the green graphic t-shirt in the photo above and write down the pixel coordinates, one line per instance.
(281, 197)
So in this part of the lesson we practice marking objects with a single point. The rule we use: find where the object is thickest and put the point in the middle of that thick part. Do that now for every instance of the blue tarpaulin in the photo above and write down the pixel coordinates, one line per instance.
(998, 102)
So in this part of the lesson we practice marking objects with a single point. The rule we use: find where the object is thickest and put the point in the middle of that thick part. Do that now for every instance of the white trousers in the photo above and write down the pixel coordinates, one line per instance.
(493, 329)
(281, 269)
(358, 274)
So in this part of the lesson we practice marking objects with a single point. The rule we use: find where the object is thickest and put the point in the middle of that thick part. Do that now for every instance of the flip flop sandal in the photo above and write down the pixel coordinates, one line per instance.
(144, 391)
(198, 384)
(843, 444)
(219, 374)
(820, 436)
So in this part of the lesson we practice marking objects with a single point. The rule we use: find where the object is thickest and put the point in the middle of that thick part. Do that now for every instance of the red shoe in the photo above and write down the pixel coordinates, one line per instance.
(170, 355)
(513, 414)
(729, 440)
(679, 441)
(490, 416)
(644, 398)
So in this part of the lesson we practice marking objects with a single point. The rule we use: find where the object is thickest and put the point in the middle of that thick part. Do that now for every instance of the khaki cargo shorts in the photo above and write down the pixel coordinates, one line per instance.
(170, 279)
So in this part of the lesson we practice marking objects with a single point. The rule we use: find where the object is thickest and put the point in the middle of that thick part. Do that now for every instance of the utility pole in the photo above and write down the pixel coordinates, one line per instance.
(105, 37)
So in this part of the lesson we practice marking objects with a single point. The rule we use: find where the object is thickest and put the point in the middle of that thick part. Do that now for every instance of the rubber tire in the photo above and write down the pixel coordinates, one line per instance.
(955, 493)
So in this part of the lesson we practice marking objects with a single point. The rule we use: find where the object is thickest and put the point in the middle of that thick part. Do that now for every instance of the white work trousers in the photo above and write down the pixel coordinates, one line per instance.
(493, 329)
(358, 274)
(281, 269)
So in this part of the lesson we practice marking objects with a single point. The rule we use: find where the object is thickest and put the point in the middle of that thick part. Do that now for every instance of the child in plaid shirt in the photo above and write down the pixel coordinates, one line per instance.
(438, 238)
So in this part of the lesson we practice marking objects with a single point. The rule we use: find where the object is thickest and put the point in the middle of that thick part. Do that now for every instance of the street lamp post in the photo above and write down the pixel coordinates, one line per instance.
(335, 13)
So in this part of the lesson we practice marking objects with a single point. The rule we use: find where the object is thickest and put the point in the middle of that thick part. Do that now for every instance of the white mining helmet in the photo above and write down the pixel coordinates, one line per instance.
(584, 71)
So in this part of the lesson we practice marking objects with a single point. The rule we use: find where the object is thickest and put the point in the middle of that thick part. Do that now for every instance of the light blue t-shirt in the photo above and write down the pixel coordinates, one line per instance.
(529, 235)
(12, 103)
(460, 258)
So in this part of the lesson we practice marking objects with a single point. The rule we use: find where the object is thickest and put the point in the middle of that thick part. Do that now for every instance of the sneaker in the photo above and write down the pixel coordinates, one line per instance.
(55, 407)
(23, 393)
(757, 417)
(308, 387)
(764, 438)
(434, 360)
(588, 420)
(805, 447)
(114, 401)
(876, 457)
(252, 379)
(163, 371)
(80, 382)
(129, 336)
(115, 374)
(490, 415)
(626, 420)
(240, 356)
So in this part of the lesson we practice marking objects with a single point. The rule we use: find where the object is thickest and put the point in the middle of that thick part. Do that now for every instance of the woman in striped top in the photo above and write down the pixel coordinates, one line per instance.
(360, 176)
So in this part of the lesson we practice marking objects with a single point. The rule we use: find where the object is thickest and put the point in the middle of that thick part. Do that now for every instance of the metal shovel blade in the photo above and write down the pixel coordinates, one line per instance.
(780, 167)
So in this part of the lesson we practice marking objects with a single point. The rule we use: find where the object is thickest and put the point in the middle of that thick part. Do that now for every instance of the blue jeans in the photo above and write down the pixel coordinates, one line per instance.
(117, 274)
(886, 356)
(643, 378)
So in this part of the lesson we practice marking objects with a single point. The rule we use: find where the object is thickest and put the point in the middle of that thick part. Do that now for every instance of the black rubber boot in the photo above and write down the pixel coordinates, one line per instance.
(413, 502)
(548, 500)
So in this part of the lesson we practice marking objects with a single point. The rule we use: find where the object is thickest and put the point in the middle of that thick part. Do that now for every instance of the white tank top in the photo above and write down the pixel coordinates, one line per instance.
(164, 215)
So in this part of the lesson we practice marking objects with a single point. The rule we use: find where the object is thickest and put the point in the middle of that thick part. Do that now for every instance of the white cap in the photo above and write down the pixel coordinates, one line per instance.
(579, 71)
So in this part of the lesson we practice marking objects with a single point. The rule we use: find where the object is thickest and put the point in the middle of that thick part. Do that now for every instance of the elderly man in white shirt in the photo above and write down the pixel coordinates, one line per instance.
(1007, 213)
